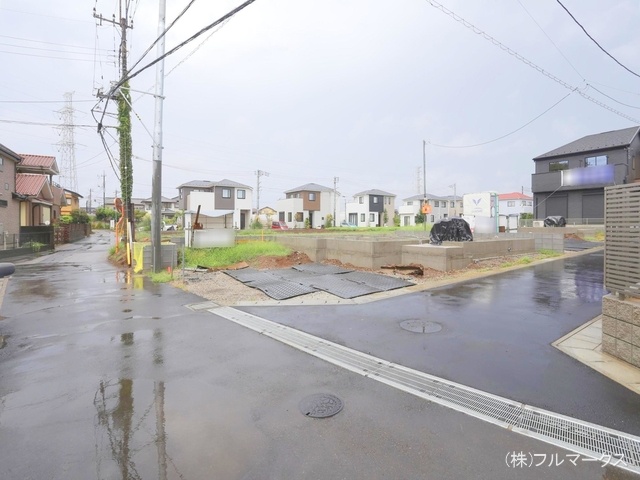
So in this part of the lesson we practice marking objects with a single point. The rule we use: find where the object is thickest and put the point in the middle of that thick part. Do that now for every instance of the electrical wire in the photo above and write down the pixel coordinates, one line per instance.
(44, 124)
(47, 56)
(595, 41)
(46, 101)
(506, 135)
(552, 42)
(51, 43)
(184, 10)
(611, 98)
(524, 60)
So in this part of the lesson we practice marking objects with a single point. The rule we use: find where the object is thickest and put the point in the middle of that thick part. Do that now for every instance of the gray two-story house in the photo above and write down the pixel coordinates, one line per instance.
(569, 181)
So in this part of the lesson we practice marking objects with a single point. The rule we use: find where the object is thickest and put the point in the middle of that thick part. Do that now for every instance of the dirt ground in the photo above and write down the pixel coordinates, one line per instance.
(225, 290)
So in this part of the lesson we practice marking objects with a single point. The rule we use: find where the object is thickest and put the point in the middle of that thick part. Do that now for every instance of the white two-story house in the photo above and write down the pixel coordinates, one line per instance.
(371, 208)
(307, 204)
(226, 198)
(439, 207)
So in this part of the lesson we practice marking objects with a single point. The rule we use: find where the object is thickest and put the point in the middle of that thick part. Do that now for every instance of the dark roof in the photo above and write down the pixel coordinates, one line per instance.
(7, 151)
(599, 141)
(431, 196)
(375, 192)
(210, 184)
(310, 187)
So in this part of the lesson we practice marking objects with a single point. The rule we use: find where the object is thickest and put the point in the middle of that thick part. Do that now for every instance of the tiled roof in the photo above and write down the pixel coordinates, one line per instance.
(598, 141)
(198, 184)
(230, 183)
(310, 187)
(45, 161)
(375, 192)
(514, 196)
(30, 184)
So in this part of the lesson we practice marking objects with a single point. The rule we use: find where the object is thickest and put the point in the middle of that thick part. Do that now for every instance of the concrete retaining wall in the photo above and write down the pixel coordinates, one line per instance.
(457, 255)
(621, 328)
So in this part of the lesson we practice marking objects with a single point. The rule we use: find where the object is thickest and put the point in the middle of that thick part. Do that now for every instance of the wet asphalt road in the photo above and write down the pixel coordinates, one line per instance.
(107, 376)
(496, 336)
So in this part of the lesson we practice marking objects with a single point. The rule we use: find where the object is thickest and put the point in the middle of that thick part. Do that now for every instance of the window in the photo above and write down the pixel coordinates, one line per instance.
(432, 218)
(299, 216)
(595, 161)
(409, 204)
(452, 204)
(6, 186)
(529, 203)
(312, 197)
(289, 216)
(362, 217)
(511, 203)
(375, 199)
(361, 201)
(557, 166)
(523, 203)
(372, 217)
(226, 193)
(436, 203)
(241, 194)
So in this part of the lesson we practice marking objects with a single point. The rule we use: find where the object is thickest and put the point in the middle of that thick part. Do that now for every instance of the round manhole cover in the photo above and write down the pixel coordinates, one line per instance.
(421, 326)
(320, 405)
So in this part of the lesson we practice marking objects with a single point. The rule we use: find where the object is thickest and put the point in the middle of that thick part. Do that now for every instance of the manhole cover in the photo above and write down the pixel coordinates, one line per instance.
(320, 405)
(421, 326)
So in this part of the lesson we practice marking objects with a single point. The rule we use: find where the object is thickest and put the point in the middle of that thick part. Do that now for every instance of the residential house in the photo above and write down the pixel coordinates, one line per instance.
(137, 202)
(310, 203)
(569, 181)
(9, 199)
(72, 202)
(40, 199)
(224, 198)
(167, 206)
(371, 208)
(511, 206)
(439, 207)
(266, 215)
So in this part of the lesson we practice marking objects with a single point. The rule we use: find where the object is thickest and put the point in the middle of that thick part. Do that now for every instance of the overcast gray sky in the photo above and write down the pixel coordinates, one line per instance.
(312, 90)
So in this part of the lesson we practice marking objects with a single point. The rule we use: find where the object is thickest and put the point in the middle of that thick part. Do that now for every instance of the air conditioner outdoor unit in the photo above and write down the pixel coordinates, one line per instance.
(538, 223)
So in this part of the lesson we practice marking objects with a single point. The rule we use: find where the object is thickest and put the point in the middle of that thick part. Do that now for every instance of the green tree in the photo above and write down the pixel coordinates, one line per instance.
(328, 222)
(420, 218)
(104, 214)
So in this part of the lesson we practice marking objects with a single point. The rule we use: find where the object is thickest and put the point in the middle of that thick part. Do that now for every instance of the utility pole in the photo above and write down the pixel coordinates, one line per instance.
(104, 191)
(259, 174)
(335, 198)
(424, 181)
(156, 197)
(123, 98)
(89, 209)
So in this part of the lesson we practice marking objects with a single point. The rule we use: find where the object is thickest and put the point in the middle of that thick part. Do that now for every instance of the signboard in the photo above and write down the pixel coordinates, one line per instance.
(479, 204)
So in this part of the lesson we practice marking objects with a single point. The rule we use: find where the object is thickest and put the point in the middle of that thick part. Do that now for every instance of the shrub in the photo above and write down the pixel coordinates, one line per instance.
(104, 214)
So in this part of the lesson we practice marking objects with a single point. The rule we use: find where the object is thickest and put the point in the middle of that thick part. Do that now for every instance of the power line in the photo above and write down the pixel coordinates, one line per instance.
(595, 41)
(44, 101)
(52, 43)
(184, 10)
(44, 124)
(524, 60)
(611, 98)
(506, 135)
(46, 49)
(48, 56)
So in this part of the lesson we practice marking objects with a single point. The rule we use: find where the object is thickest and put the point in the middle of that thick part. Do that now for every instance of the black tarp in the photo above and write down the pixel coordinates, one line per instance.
(450, 230)
(554, 221)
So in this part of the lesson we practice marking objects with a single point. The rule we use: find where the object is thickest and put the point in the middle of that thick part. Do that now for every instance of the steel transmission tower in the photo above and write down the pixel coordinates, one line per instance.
(67, 146)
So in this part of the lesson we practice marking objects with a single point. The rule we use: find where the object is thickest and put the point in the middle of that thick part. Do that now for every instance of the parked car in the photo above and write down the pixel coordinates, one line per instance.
(348, 225)
(279, 226)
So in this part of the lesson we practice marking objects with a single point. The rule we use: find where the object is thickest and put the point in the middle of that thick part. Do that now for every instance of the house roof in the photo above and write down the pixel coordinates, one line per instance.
(6, 151)
(31, 184)
(375, 192)
(42, 162)
(162, 200)
(514, 196)
(198, 184)
(210, 184)
(73, 194)
(599, 141)
(310, 187)
(431, 196)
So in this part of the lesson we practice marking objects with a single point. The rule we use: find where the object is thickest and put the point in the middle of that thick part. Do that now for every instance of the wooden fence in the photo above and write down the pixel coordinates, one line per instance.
(622, 239)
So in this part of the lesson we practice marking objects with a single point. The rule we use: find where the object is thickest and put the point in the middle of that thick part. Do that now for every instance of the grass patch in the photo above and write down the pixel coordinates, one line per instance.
(519, 261)
(225, 256)
(596, 237)
(544, 253)
(161, 277)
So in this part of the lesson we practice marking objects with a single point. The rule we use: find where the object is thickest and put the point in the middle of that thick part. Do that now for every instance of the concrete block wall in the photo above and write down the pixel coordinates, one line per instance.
(367, 252)
(550, 241)
(314, 247)
(439, 257)
(621, 328)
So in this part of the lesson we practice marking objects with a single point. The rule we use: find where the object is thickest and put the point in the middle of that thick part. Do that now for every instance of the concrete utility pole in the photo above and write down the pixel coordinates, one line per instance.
(104, 191)
(123, 98)
(335, 198)
(156, 197)
(259, 174)
(424, 180)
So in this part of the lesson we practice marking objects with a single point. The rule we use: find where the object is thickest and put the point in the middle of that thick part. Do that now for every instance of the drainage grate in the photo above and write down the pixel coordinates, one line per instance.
(320, 405)
(282, 289)
(566, 432)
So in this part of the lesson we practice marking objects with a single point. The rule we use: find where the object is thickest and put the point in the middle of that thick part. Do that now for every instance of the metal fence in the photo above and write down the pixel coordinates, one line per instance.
(622, 239)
